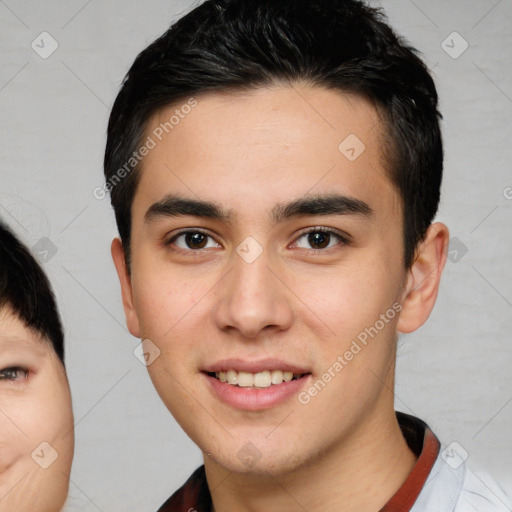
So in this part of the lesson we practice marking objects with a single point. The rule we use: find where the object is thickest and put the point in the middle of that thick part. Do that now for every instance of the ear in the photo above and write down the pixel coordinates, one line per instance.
(132, 319)
(423, 279)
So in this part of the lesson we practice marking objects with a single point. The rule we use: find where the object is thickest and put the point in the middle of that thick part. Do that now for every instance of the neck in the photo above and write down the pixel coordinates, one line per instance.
(359, 473)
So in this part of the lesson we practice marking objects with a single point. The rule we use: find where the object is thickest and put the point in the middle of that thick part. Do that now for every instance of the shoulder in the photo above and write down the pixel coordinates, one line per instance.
(480, 492)
(452, 486)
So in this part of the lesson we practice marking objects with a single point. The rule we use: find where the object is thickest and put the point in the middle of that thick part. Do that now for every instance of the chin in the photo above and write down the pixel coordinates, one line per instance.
(247, 459)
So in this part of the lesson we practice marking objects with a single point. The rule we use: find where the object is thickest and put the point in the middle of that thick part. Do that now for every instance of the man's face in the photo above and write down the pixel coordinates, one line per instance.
(36, 421)
(269, 288)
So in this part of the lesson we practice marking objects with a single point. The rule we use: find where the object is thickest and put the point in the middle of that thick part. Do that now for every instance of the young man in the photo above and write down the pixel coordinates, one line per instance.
(274, 168)
(36, 419)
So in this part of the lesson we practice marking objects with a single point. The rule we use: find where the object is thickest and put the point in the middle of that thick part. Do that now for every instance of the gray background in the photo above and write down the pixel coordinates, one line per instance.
(454, 372)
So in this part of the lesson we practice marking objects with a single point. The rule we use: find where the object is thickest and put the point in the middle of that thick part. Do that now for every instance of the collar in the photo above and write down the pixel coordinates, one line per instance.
(195, 495)
(425, 446)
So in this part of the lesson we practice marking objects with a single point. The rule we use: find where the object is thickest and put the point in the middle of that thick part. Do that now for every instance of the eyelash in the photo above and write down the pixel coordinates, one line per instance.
(343, 239)
(13, 369)
(317, 229)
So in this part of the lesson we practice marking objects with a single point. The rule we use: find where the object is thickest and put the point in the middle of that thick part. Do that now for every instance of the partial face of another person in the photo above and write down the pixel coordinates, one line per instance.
(36, 421)
(297, 252)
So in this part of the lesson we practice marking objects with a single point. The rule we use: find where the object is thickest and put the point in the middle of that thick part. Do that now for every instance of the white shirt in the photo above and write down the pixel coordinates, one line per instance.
(453, 487)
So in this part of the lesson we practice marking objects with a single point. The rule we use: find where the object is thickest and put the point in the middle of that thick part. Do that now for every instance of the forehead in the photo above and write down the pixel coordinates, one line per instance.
(14, 334)
(269, 144)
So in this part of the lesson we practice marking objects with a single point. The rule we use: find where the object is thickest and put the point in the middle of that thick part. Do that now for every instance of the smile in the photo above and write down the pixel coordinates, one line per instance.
(262, 379)
(255, 385)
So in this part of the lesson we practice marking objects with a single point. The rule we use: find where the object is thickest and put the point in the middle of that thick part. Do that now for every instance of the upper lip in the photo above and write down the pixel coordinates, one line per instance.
(243, 365)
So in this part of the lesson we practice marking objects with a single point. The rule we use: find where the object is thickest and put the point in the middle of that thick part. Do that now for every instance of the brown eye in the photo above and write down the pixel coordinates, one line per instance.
(13, 373)
(196, 240)
(192, 240)
(320, 238)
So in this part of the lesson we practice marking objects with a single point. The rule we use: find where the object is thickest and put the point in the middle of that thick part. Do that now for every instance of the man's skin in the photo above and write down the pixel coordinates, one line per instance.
(299, 303)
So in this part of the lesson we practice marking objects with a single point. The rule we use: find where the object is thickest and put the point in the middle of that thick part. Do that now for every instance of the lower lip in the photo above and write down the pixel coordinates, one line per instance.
(255, 399)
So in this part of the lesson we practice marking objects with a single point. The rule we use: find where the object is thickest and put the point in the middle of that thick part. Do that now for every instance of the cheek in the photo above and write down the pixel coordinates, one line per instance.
(163, 297)
(52, 404)
(353, 312)
(13, 444)
(35, 464)
(41, 415)
(342, 301)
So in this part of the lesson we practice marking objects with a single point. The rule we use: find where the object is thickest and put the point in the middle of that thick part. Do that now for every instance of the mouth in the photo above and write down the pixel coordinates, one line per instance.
(255, 386)
(264, 379)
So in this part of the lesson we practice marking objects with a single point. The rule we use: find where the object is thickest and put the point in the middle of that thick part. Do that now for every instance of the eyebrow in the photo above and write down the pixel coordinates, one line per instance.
(331, 204)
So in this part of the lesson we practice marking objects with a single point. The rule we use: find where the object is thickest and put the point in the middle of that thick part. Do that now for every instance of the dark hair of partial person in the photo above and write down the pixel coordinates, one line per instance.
(25, 289)
(238, 45)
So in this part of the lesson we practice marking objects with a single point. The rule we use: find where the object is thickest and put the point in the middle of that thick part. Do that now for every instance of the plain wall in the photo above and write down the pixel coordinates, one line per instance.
(455, 372)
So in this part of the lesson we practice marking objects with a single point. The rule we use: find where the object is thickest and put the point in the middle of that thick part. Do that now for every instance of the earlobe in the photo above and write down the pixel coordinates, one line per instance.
(132, 319)
(423, 279)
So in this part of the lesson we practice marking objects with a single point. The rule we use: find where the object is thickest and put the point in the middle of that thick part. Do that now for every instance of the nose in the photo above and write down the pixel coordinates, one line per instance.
(252, 299)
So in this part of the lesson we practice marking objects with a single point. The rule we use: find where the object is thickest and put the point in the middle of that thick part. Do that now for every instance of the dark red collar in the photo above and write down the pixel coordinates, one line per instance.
(194, 494)
(425, 445)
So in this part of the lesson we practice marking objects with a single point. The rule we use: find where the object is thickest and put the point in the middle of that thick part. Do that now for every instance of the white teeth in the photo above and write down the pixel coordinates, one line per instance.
(245, 379)
(262, 379)
(287, 376)
(276, 376)
(232, 377)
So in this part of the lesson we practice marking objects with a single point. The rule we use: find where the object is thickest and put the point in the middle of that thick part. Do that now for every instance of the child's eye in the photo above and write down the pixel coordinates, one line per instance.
(13, 373)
